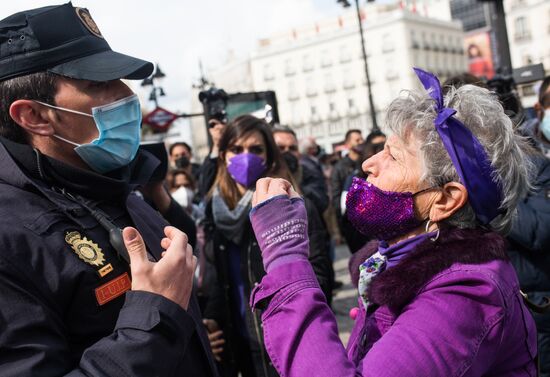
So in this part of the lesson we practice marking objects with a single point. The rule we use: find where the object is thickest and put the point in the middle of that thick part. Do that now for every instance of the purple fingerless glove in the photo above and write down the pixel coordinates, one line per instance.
(280, 225)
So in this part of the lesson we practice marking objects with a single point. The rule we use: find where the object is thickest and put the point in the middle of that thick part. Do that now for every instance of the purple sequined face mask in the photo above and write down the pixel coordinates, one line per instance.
(380, 214)
(246, 168)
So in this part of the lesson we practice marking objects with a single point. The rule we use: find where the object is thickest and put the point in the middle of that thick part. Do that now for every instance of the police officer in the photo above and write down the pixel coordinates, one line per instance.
(71, 303)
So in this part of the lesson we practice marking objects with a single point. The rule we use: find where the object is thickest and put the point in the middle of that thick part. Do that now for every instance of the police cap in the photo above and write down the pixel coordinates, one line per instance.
(64, 40)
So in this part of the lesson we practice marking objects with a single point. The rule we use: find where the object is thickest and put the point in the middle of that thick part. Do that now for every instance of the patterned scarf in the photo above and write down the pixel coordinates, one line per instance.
(386, 257)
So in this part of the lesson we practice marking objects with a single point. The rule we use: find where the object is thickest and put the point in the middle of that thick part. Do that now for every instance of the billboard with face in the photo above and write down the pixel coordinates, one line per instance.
(480, 58)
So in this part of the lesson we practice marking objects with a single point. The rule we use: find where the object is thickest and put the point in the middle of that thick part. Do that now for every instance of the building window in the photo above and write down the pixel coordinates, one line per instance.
(387, 43)
(311, 88)
(517, 3)
(425, 43)
(348, 82)
(292, 92)
(528, 90)
(326, 59)
(435, 43)
(313, 110)
(442, 44)
(329, 84)
(289, 68)
(391, 72)
(522, 29)
(268, 73)
(414, 40)
(351, 103)
(345, 54)
(307, 63)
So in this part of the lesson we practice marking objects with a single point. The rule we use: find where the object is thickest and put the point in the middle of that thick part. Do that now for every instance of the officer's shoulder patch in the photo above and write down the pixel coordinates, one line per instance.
(87, 250)
(88, 21)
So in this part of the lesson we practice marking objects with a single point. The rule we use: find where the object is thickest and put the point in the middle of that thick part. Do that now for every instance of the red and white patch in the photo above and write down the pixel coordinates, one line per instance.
(112, 289)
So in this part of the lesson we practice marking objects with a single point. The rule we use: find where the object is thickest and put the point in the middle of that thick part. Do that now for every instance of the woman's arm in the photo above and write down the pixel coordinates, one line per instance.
(300, 331)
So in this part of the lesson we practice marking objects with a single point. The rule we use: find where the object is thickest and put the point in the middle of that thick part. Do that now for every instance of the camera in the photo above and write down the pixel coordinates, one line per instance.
(505, 86)
(214, 101)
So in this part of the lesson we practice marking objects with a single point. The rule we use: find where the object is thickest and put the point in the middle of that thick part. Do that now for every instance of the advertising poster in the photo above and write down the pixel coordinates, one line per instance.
(480, 59)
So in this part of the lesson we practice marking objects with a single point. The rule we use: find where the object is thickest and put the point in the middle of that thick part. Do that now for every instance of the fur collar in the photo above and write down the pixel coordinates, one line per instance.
(397, 286)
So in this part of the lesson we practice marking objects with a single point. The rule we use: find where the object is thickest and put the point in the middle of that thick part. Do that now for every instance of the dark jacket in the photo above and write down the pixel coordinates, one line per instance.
(529, 252)
(313, 183)
(207, 175)
(54, 315)
(340, 173)
(252, 271)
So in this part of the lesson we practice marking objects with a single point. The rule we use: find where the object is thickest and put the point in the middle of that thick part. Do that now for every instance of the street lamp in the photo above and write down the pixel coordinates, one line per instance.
(346, 4)
(156, 91)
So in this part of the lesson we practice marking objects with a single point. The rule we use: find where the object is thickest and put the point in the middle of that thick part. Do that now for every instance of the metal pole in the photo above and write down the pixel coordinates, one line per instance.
(503, 47)
(369, 89)
(154, 95)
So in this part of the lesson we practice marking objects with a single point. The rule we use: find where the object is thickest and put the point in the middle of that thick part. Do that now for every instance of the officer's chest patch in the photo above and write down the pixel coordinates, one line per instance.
(112, 289)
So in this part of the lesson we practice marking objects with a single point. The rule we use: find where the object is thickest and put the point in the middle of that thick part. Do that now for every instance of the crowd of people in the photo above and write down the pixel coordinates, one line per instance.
(225, 266)
(231, 265)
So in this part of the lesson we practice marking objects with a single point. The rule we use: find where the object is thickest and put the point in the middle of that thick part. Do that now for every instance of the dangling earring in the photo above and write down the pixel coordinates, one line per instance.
(433, 239)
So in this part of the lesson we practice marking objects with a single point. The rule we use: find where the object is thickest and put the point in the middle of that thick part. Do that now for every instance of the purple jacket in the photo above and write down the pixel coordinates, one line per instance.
(450, 308)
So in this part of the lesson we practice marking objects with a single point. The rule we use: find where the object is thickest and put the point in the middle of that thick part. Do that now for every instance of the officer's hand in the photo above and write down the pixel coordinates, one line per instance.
(215, 336)
(172, 276)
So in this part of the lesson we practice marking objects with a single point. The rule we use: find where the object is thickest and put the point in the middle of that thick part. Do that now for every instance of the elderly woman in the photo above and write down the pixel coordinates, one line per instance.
(438, 296)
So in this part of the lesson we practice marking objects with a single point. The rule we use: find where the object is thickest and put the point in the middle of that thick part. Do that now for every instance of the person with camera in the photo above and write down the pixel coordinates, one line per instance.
(209, 167)
(80, 296)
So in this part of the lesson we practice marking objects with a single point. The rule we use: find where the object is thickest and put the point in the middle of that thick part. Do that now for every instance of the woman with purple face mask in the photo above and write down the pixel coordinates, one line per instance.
(437, 295)
(247, 152)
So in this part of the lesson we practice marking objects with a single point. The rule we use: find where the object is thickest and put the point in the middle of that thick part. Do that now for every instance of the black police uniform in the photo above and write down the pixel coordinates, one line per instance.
(52, 320)
(65, 303)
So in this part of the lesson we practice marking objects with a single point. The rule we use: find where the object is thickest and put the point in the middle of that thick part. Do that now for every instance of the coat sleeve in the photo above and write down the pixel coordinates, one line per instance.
(530, 226)
(441, 333)
(300, 331)
(150, 337)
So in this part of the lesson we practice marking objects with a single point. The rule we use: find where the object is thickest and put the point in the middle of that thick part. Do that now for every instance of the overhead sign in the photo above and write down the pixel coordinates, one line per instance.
(160, 119)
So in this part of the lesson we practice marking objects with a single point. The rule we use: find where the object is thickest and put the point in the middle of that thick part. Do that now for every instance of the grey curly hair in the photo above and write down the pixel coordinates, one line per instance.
(479, 109)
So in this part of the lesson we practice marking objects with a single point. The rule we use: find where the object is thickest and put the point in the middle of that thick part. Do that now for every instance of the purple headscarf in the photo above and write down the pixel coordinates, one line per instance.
(467, 154)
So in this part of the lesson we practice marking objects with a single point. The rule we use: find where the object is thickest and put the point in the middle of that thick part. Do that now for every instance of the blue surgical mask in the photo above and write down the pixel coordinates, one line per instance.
(545, 124)
(119, 125)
